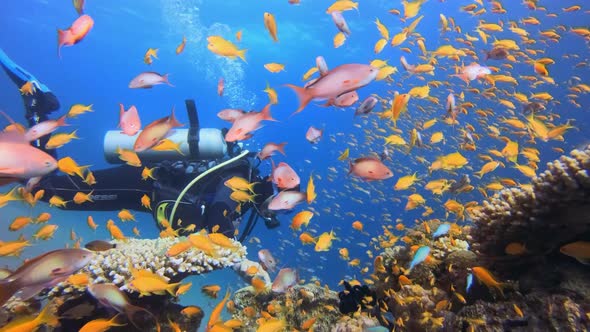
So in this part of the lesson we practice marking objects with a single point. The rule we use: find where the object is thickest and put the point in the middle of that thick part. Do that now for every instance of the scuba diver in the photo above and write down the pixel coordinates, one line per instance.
(184, 191)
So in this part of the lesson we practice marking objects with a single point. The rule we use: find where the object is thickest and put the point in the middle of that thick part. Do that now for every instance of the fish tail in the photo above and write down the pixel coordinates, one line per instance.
(165, 78)
(281, 148)
(60, 39)
(251, 186)
(62, 120)
(7, 289)
(73, 134)
(242, 55)
(132, 311)
(121, 112)
(171, 289)
(303, 95)
(266, 113)
(172, 120)
(46, 316)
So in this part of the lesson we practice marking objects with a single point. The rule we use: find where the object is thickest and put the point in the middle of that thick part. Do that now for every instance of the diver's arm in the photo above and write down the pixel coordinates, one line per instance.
(37, 105)
(42, 101)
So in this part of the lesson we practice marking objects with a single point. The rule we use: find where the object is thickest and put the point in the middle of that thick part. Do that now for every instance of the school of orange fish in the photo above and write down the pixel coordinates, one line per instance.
(450, 97)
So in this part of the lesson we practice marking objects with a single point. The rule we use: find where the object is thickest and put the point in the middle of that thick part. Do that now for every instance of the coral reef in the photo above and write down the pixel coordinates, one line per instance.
(74, 313)
(115, 265)
(551, 212)
(541, 312)
(354, 324)
(544, 290)
(300, 305)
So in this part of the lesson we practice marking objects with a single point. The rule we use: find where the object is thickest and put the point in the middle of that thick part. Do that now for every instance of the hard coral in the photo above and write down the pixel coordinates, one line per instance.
(551, 212)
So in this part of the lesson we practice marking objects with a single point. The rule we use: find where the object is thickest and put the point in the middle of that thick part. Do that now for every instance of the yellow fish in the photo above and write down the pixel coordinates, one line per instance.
(167, 145)
(339, 39)
(405, 182)
(272, 95)
(310, 191)
(344, 155)
(78, 109)
(60, 139)
(324, 241)
(222, 47)
(129, 156)
(271, 26)
(274, 67)
(145, 201)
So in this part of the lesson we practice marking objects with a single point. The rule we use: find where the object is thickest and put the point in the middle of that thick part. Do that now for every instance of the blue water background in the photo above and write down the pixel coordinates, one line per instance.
(98, 70)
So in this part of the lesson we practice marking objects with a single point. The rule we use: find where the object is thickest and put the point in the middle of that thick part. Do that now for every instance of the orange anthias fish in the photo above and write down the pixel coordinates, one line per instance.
(180, 47)
(369, 169)
(334, 83)
(271, 25)
(32, 323)
(101, 324)
(269, 149)
(286, 278)
(215, 316)
(267, 260)
(129, 121)
(70, 167)
(301, 218)
(314, 135)
(21, 160)
(486, 278)
(155, 132)
(110, 296)
(28, 88)
(220, 86)
(243, 126)
(42, 272)
(74, 34)
(44, 128)
(220, 46)
(284, 176)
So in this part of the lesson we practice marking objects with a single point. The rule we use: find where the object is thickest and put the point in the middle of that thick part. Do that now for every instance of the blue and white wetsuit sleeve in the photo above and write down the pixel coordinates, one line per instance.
(19, 75)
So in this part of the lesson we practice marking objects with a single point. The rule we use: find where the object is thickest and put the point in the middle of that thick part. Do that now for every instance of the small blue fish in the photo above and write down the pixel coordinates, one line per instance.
(419, 256)
(469, 282)
(443, 229)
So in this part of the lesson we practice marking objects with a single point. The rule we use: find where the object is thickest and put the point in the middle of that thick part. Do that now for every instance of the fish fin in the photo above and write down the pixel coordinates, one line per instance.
(46, 316)
(583, 261)
(28, 293)
(242, 55)
(165, 77)
(303, 95)
(281, 148)
(12, 171)
(172, 120)
(266, 113)
(7, 290)
(60, 38)
(121, 112)
(329, 103)
(62, 121)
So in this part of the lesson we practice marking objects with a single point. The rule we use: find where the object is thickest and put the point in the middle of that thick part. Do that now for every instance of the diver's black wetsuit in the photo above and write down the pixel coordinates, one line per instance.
(205, 205)
(38, 105)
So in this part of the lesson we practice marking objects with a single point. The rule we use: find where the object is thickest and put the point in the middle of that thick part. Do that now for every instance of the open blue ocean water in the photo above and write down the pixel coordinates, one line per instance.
(97, 71)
